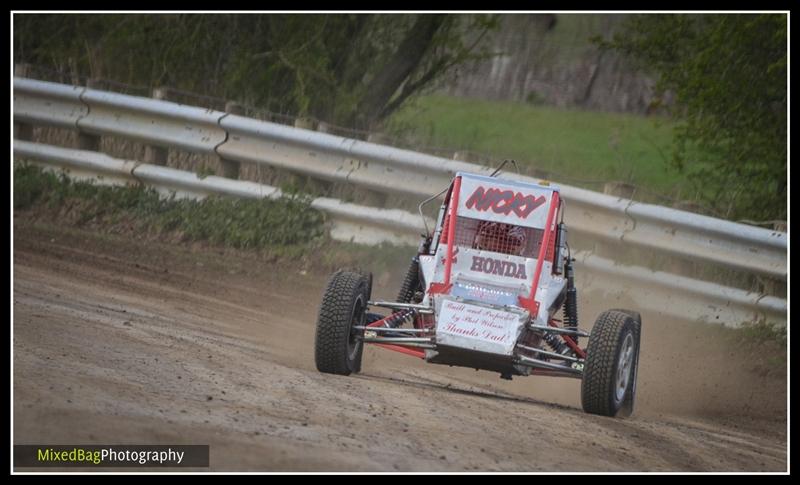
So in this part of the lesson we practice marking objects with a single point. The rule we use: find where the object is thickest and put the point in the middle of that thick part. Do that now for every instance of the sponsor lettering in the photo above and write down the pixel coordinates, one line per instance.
(477, 323)
(504, 202)
(498, 267)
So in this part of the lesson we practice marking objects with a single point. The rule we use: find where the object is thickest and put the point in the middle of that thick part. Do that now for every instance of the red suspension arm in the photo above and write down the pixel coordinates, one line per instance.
(398, 348)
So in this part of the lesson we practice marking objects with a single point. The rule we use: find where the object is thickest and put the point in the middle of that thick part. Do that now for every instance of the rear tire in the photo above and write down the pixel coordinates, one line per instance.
(610, 371)
(410, 284)
(337, 347)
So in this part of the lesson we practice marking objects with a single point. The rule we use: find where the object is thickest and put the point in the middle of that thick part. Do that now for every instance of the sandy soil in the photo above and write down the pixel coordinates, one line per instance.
(117, 341)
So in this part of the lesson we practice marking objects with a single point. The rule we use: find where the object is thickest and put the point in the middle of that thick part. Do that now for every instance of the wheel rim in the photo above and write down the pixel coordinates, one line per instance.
(358, 318)
(624, 366)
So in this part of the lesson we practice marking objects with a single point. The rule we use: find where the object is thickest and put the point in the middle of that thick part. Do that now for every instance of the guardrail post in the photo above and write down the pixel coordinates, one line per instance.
(483, 160)
(22, 69)
(85, 141)
(379, 138)
(304, 123)
(689, 206)
(155, 154)
(465, 156)
(22, 131)
(620, 189)
(230, 168)
(772, 287)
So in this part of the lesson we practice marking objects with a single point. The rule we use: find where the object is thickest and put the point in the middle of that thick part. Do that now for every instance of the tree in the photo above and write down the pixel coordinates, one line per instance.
(729, 80)
(347, 69)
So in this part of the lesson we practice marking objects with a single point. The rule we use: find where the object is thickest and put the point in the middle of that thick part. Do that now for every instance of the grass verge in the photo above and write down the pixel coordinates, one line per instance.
(283, 224)
(283, 229)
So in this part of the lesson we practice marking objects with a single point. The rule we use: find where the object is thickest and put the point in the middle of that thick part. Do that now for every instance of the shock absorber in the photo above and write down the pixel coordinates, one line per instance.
(571, 301)
(399, 318)
(556, 343)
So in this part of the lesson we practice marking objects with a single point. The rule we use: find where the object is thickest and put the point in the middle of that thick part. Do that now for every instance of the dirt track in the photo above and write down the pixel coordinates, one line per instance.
(120, 342)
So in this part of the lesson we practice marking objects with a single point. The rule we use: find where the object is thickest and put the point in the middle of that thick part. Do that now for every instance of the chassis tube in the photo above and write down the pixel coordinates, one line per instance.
(451, 233)
(398, 348)
(402, 306)
(530, 302)
(549, 354)
(547, 365)
(404, 350)
(393, 330)
(552, 373)
(571, 343)
(397, 340)
(558, 330)
(444, 288)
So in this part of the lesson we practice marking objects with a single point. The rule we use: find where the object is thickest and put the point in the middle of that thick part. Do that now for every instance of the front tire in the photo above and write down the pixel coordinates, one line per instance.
(337, 347)
(610, 371)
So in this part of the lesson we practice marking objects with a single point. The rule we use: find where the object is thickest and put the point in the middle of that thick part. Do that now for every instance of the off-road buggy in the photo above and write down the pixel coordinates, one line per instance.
(485, 291)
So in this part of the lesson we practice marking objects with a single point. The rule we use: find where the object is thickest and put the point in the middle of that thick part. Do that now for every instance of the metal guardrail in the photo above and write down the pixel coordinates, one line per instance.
(48, 104)
(380, 167)
(676, 296)
(388, 169)
(156, 122)
(349, 222)
(663, 293)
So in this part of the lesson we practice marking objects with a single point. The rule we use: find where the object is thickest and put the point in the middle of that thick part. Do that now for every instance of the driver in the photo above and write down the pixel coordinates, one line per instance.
(500, 238)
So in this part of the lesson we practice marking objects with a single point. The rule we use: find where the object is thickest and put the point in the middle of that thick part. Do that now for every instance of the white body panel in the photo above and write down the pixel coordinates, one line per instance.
(481, 310)
(478, 327)
(492, 199)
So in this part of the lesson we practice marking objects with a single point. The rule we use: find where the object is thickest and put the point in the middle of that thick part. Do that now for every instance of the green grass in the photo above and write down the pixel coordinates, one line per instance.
(759, 333)
(288, 224)
(574, 147)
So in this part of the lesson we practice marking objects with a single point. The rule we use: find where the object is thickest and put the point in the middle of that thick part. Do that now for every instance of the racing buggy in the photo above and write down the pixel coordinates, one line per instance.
(492, 288)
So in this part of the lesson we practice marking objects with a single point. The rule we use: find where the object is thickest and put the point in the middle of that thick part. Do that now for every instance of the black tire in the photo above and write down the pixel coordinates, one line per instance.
(365, 274)
(410, 283)
(635, 315)
(604, 390)
(630, 399)
(337, 349)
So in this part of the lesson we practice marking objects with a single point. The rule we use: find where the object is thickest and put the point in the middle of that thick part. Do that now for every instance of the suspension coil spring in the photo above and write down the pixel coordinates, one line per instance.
(556, 344)
(571, 308)
(399, 318)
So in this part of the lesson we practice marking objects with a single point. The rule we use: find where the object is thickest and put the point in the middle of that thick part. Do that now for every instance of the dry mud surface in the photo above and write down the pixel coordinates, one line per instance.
(117, 341)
